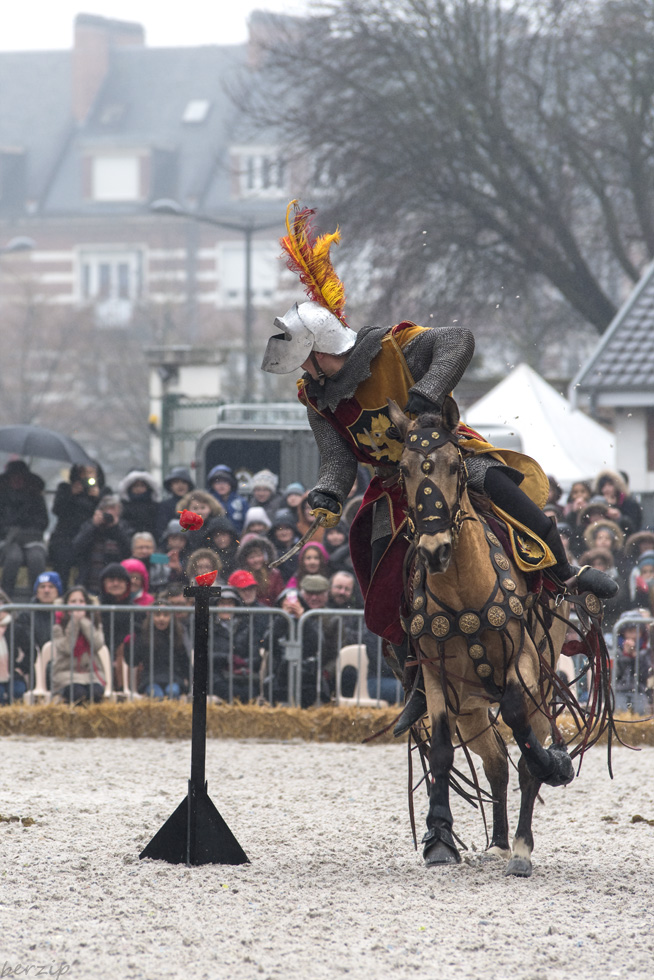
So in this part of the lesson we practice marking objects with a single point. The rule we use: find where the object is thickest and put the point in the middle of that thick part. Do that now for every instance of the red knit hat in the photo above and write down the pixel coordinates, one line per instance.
(241, 579)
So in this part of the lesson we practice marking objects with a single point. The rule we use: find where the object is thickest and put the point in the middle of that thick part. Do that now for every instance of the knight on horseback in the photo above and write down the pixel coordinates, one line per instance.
(347, 380)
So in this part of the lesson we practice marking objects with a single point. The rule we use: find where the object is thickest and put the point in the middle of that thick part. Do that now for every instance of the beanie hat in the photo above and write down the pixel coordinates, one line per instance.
(256, 515)
(240, 579)
(265, 478)
(227, 593)
(294, 488)
(314, 583)
(51, 577)
(284, 518)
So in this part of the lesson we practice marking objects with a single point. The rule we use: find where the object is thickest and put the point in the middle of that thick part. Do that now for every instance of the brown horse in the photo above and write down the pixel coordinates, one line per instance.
(477, 635)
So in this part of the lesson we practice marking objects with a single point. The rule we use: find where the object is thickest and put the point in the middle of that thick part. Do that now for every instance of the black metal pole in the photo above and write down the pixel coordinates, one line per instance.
(196, 833)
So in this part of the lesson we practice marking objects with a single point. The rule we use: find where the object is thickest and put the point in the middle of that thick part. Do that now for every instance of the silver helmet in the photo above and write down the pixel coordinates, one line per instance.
(305, 328)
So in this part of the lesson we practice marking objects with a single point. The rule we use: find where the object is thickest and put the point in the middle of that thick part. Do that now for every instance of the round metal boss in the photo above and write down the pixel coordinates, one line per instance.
(515, 605)
(416, 625)
(593, 605)
(476, 651)
(508, 584)
(418, 602)
(484, 670)
(492, 538)
(440, 626)
(469, 623)
(502, 562)
(496, 616)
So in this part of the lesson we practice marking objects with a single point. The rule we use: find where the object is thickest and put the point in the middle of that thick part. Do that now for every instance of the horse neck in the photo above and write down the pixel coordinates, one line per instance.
(471, 578)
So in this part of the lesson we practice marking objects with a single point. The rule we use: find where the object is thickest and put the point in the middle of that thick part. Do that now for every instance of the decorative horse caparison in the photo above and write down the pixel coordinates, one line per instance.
(476, 634)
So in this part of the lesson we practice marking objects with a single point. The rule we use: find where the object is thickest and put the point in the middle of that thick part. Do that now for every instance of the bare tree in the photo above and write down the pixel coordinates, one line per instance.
(475, 144)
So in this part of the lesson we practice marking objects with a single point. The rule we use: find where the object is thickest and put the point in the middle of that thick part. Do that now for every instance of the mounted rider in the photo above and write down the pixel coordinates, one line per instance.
(348, 378)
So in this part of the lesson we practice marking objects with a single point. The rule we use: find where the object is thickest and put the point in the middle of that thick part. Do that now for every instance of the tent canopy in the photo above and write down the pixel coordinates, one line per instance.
(567, 443)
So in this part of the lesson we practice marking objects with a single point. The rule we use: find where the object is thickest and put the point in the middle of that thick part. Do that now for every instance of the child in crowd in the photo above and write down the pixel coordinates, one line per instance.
(161, 657)
(78, 674)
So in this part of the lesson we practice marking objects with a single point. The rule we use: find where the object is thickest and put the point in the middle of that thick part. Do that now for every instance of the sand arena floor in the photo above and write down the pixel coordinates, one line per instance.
(334, 888)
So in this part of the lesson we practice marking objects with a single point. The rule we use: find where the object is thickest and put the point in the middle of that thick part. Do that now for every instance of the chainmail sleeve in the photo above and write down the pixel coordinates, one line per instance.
(437, 359)
(338, 464)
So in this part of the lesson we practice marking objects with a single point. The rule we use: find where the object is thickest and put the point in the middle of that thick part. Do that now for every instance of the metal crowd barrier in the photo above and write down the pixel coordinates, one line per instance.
(264, 654)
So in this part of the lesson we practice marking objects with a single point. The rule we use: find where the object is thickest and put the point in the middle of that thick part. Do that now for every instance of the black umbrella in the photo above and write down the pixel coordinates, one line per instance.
(33, 440)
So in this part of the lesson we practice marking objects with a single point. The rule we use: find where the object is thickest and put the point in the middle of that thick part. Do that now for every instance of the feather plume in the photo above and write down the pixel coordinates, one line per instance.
(309, 258)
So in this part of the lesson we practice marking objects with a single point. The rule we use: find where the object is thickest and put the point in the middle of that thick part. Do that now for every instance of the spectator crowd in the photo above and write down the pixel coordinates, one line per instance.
(125, 548)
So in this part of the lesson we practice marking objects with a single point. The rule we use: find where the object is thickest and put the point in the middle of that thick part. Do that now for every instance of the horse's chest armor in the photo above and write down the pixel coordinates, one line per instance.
(445, 623)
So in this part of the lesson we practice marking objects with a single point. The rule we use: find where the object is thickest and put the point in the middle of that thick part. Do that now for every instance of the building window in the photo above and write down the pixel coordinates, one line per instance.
(259, 172)
(196, 111)
(116, 177)
(231, 273)
(112, 281)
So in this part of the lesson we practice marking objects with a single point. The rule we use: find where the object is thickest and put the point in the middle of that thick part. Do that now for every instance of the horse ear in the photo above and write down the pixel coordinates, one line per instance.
(398, 418)
(451, 417)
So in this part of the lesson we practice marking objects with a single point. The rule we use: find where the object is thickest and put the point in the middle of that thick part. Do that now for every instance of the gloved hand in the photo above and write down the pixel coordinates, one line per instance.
(326, 507)
(418, 404)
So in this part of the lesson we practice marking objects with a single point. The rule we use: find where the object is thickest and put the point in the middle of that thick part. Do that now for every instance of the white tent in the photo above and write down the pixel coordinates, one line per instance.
(567, 443)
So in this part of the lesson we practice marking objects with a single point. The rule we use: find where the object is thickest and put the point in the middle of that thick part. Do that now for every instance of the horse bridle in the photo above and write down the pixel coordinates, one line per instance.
(431, 513)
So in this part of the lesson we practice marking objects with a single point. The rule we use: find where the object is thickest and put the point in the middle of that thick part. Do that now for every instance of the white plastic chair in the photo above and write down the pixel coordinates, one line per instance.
(40, 689)
(355, 655)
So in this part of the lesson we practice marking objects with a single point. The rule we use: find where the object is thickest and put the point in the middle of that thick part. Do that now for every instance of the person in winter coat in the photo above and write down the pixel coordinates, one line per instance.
(34, 628)
(177, 484)
(139, 582)
(140, 498)
(264, 492)
(23, 521)
(223, 484)
(172, 544)
(312, 560)
(623, 507)
(202, 561)
(77, 672)
(202, 503)
(283, 535)
(74, 503)
(102, 540)
(256, 521)
(254, 555)
(337, 546)
(14, 673)
(223, 539)
(230, 647)
(116, 590)
(161, 655)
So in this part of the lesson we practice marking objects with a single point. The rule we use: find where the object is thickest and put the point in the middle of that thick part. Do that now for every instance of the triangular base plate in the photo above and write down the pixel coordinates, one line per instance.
(195, 834)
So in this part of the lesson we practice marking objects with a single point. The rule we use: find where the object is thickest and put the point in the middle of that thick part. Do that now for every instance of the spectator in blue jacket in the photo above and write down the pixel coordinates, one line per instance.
(223, 485)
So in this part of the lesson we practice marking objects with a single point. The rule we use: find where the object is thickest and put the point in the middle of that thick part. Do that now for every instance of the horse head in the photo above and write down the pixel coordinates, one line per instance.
(433, 472)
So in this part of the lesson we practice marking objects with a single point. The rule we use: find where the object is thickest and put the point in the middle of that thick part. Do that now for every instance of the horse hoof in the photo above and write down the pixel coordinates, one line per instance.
(440, 853)
(520, 867)
(563, 771)
(497, 853)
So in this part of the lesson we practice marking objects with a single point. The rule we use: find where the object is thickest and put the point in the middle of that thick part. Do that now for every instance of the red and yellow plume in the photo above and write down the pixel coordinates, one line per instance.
(308, 257)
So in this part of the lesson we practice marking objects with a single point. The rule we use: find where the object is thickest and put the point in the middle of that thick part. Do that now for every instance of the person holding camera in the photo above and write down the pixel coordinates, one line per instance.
(74, 503)
(101, 540)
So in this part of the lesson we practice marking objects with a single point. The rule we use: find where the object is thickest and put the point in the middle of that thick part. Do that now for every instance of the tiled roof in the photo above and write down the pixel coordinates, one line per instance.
(624, 357)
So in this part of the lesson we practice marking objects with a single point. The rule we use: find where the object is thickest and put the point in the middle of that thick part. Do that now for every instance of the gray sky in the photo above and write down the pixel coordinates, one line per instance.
(47, 24)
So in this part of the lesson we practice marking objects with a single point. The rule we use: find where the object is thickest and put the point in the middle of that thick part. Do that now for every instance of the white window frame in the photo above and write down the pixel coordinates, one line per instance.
(261, 171)
(128, 186)
(111, 278)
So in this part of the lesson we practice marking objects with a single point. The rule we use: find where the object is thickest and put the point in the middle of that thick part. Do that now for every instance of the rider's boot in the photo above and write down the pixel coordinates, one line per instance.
(504, 492)
(412, 681)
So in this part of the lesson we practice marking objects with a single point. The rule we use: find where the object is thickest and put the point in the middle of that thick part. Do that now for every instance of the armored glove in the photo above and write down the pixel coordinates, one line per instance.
(326, 507)
(418, 404)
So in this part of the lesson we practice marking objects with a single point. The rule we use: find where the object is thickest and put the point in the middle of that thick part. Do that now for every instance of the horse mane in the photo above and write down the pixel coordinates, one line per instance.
(427, 419)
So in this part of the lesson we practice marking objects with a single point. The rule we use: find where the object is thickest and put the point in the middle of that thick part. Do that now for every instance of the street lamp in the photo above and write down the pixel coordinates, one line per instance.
(247, 228)
(20, 244)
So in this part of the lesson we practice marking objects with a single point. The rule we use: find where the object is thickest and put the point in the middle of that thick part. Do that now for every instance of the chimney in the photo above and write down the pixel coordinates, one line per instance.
(94, 38)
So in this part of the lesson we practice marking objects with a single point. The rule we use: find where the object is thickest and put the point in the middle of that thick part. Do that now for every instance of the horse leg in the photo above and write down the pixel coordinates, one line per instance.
(439, 846)
(537, 765)
(482, 740)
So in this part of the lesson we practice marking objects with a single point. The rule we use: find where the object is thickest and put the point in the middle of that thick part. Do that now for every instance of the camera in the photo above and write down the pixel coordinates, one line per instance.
(107, 518)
